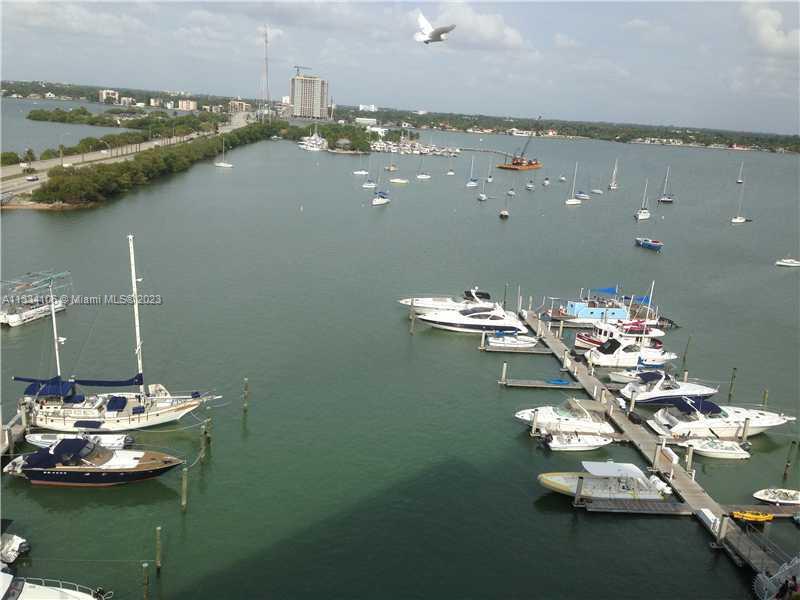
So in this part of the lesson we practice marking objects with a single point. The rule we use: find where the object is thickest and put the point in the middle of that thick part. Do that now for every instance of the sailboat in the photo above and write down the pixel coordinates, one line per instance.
(740, 179)
(450, 166)
(531, 185)
(420, 173)
(57, 405)
(362, 170)
(572, 200)
(482, 197)
(642, 214)
(473, 182)
(546, 182)
(381, 197)
(489, 178)
(739, 218)
(612, 185)
(665, 197)
(222, 163)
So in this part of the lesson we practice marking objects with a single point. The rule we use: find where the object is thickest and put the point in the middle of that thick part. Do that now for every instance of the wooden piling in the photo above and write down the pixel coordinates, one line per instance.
(788, 464)
(158, 550)
(534, 421)
(689, 456)
(764, 399)
(184, 487)
(560, 329)
(685, 352)
(685, 376)
(578, 492)
(732, 387)
(483, 340)
(530, 302)
(203, 441)
(633, 403)
(145, 581)
(504, 373)
(412, 316)
(246, 394)
(566, 358)
(746, 429)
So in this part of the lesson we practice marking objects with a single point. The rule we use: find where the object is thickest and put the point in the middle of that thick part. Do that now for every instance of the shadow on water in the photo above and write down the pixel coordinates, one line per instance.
(380, 548)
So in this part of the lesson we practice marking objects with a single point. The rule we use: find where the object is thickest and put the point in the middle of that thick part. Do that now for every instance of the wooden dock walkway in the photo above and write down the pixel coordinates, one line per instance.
(12, 433)
(738, 544)
(642, 507)
(534, 350)
(540, 384)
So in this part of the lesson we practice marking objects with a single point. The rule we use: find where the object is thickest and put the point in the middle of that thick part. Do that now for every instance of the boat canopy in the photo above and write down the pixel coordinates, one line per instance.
(609, 291)
(612, 469)
(649, 376)
(62, 452)
(688, 406)
(55, 386)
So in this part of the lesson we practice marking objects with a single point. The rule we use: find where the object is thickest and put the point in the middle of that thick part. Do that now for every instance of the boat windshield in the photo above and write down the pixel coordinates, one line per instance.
(609, 346)
(467, 312)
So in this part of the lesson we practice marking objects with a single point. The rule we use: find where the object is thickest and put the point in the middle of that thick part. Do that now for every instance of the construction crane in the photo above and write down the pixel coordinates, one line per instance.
(298, 67)
(519, 162)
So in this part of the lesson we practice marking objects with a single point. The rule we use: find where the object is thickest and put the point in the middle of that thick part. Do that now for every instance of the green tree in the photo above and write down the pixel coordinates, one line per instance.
(9, 158)
(29, 156)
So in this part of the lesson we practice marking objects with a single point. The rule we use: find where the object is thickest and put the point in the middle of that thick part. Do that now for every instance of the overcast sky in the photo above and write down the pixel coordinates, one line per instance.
(726, 65)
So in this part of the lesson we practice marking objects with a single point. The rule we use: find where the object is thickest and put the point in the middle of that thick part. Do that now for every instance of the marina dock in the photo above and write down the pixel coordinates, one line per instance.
(743, 544)
(13, 432)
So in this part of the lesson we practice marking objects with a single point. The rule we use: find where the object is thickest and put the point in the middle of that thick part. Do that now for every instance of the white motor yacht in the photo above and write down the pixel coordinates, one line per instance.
(627, 352)
(111, 441)
(511, 341)
(475, 320)
(714, 448)
(575, 442)
(34, 588)
(629, 375)
(569, 417)
(656, 387)
(787, 262)
(603, 331)
(470, 298)
(706, 419)
(369, 185)
(607, 480)
(778, 496)
(398, 180)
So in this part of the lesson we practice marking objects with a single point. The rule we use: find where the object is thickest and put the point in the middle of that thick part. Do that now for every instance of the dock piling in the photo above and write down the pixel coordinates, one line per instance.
(633, 403)
(764, 399)
(158, 550)
(560, 329)
(685, 352)
(578, 492)
(184, 487)
(412, 316)
(530, 302)
(504, 374)
(689, 456)
(732, 387)
(788, 464)
(245, 395)
(685, 376)
(145, 581)
(746, 429)
(483, 340)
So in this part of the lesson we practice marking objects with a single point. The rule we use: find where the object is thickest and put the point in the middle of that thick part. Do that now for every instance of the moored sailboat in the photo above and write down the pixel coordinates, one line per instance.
(612, 185)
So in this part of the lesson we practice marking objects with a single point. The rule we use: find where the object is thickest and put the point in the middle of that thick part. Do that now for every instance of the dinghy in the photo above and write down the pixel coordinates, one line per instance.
(516, 342)
(575, 442)
(714, 448)
(778, 496)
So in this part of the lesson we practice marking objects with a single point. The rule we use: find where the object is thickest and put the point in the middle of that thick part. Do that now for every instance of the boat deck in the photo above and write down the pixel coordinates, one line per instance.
(741, 546)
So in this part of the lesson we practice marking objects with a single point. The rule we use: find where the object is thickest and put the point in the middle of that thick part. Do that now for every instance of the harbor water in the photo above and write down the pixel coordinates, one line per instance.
(377, 464)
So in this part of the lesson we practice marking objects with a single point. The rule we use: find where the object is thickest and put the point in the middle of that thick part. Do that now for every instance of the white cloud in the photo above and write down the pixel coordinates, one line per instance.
(765, 25)
(649, 31)
(563, 41)
(71, 18)
(476, 30)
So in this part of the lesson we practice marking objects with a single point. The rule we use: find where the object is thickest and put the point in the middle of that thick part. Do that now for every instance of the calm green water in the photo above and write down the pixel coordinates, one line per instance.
(375, 464)
(19, 133)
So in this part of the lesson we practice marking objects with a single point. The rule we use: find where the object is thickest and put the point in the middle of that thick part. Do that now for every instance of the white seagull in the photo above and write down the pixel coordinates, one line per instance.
(428, 34)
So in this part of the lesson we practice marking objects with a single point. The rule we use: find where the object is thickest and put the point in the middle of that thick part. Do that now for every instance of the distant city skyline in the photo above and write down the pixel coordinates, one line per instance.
(714, 65)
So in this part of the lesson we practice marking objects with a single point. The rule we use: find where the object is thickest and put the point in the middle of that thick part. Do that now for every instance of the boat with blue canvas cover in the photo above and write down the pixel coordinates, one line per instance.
(79, 462)
(58, 404)
(657, 387)
(649, 244)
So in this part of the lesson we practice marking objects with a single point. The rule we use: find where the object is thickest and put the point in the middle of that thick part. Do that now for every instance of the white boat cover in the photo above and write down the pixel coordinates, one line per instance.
(612, 469)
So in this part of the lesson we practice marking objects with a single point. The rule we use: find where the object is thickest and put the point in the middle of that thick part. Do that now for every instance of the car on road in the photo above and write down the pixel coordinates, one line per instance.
(66, 165)
(32, 178)
(103, 151)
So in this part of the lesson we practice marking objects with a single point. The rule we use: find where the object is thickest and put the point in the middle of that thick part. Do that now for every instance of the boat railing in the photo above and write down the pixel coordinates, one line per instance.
(766, 586)
(68, 585)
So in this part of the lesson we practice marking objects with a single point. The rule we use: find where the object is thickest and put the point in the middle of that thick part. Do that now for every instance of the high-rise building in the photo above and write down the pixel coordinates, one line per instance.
(187, 104)
(108, 96)
(309, 95)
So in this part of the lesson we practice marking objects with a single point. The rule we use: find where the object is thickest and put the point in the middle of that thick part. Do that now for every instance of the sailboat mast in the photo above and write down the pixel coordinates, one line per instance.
(666, 179)
(135, 290)
(644, 196)
(574, 177)
(741, 201)
(55, 329)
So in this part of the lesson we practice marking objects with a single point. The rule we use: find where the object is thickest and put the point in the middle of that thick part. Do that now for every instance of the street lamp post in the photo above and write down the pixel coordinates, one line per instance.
(61, 146)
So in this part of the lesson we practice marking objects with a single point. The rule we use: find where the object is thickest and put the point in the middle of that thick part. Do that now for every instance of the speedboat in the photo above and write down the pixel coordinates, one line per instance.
(482, 197)
(398, 180)
(470, 299)
(546, 182)
(603, 331)
(714, 448)
(423, 176)
(626, 352)
(607, 480)
(472, 183)
(569, 417)
(562, 179)
(380, 199)
(450, 172)
(391, 167)
(582, 196)
(649, 244)
(778, 496)
(369, 185)
(107, 440)
(787, 262)
(361, 172)
(575, 442)
(11, 546)
(629, 375)
(529, 186)
(504, 214)
(511, 341)
(705, 419)
(475, 320)
(34, 588)
(511, 192)
(82, 463)
(656, 387)
(597, 191)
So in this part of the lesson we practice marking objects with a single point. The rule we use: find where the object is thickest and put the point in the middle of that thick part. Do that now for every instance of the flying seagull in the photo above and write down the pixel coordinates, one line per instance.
(428, 34)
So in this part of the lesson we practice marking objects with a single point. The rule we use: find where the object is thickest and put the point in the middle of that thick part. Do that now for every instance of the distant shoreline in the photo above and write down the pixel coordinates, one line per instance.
(52, 206)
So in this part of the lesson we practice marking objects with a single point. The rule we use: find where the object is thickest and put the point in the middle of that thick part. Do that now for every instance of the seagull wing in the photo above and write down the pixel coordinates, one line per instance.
(424, 24)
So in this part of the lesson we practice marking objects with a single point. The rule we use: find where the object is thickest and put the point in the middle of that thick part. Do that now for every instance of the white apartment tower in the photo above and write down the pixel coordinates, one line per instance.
(309, 97)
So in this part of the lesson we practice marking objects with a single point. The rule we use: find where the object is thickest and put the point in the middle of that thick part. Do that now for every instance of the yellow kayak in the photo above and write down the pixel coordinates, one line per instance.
(752, 516)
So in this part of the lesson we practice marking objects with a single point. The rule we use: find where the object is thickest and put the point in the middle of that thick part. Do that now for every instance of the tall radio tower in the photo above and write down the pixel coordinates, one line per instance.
(266, 108)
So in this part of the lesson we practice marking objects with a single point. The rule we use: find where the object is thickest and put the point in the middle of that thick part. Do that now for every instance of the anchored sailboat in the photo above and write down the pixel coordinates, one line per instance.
(222, 163)
(739, 218)
(740, 178)
(612, 185)
(473, 182)
(572, 200)
(666, 198)
(642, 214)
(56, 404)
